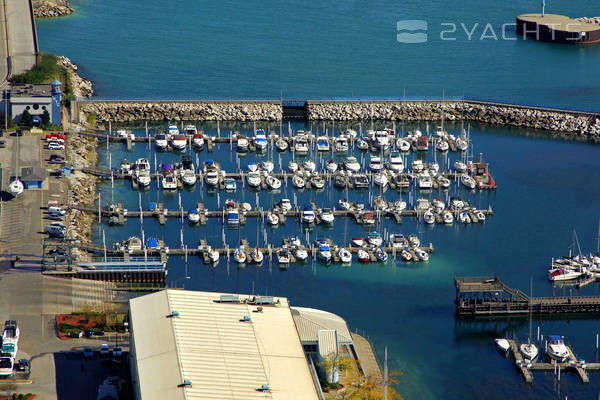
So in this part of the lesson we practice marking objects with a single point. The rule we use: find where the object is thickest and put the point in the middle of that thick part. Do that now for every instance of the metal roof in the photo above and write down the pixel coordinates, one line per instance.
(327, 342)
(309, 321)
(209, 344)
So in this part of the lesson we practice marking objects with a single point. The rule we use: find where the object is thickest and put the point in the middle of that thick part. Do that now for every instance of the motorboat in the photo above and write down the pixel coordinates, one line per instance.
(179, 142)
(134, 243)
(349, 133)
(434, 168)
(125, 167)
(358, 242)
(381, 255)
(283, 257)
(438, 204)
(256, 255)
(414, 241)
(188, 178)
(143, 178)
(403, 145)
(563, 274)
(285, 204)
(368, 218)
(193, 216)
(529, 350)
(16, 187)
(324, 252)
(169, 182)
(301, 145)
(272, 182)
(441, 145)
(396, 163)
(467, 181)
(230, 184)
(425, 182)
(362, 144)
(198, 141)
(344, 204)
(422, 254)
(340, 180)
(212, 178)
(443, 182)
(398, 241)
(190, 130)
(272, 219)
(300, 253)
(317, 182)
(363, 256)
(331, 166)
(422, 143)
(239, 255)
(292, 167)
(460, 166)
(381, 179)
(172, 129)
(233, 217)
(382, 140)
(502, 344)
(266, 166)
(341, 145)
(400, 205)
(345, 256)
(429, 217)
(556, 348)
(326, 215)
(375, 165)
(423, 204)
(298, 182)
(281, 144)
(213, 255)
(254, 179)
(322, 143)
(260, 140)
(375, 239)
(361, 181)
(308, 214)
(417, 165)
(406, 256)
(447, 217)
(294, 241)
(252, 167)
(464, 217)
(456, 203)
(480, 215)
(160, 141)
(309, 165)
(241, 144)
(461, 144)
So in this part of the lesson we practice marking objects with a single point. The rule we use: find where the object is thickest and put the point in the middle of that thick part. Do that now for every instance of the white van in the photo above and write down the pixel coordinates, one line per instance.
(56, 210)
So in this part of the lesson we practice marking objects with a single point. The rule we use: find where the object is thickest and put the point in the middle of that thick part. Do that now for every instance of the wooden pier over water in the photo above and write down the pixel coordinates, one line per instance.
(489, 296)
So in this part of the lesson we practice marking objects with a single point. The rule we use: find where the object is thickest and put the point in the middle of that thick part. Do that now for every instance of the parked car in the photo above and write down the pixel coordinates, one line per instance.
(55, 229)
(54, 135)
(23, 366)
(117, 352)
(56, 159)
(104, 350)
(2, 144)
(55, 146)
(88, 352)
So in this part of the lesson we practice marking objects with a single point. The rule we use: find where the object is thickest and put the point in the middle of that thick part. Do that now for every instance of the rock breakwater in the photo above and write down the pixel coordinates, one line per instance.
(51, 9)
(129, 111)
(81, 87)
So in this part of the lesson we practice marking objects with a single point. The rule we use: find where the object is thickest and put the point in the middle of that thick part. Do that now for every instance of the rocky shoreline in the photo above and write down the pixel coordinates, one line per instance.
(51, 9)
(81, 87)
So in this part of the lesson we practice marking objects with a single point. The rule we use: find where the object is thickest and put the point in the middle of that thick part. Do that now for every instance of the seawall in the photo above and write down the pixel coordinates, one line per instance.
(124, 111)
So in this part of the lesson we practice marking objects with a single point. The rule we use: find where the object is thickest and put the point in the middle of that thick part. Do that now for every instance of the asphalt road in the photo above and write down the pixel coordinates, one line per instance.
(21, 46)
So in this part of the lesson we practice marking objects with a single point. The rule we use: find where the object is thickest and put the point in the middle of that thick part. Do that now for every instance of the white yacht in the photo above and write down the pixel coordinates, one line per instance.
(331, 166)
(502, 344)
(529, 350)
(143, 178)
(345, 256)
(327, 216)
(556, 348)
(179, 142)
(309, 165)
(272, 182)
(190, 130)
(563, 274)
(252, 167)
(317, 182)
(308, 214)
(417, 165)
(300, 253)
(461, 144)
(213, 255)
(267, 166)
(403, 145)
(375, 165)
(422, 254)
(172, 129)
(382, 140)
(301, 145)
(188, 177)
(283, 257)
(239, 255)
(169, 182)
(362, 144)
(441, 145)
(425, 182)
(429, 217)
(292, 167)
(341, 145)
(193, 216)
(241, 144)
(352, 164)
(160, 140)
(324, 252)
(460, 166)
(260, 140)
(298, 182)
(198, 140)
(254, 179)
(281, 144)
(443, 182)
(467, 181)
(381, 179)
(322, 143)
(396, 163)
(375, 239)
(286, 205)
(272, 219)
(212, 178)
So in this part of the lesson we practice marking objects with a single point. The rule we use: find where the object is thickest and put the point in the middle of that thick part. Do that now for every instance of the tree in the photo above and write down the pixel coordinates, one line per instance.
(46, 118)
(333, 363)
(26, 118)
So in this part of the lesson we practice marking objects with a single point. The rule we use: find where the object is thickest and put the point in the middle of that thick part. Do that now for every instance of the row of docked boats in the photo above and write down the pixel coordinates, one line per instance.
(178, 141)
(573, 268)
(555, 349)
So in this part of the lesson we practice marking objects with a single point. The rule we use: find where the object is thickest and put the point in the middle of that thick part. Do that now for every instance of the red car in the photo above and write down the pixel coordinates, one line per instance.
(55, 136)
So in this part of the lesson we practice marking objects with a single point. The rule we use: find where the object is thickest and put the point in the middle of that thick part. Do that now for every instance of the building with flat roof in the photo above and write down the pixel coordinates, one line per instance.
(201, 345)
(35, 99)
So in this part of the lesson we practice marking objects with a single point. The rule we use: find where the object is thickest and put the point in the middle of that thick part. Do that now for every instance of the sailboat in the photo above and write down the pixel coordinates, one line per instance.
(529, 350)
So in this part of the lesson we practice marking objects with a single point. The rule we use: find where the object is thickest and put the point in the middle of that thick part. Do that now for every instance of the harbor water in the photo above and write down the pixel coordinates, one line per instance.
(546, 188)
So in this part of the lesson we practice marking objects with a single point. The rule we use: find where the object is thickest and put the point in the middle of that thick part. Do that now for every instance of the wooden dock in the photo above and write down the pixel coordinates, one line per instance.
(489, 296)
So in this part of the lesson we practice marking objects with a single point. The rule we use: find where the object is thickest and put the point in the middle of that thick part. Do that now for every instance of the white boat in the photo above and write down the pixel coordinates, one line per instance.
(434, 168)
(239, 255)
(417, 165)
(363, 256)
(447, 217)
(292, 166)
(382, 140)
(301, 146)
(322, 143)
(345, 256)
(425, 182)
(331, 166)
(193, 216)
(344, 204)
(529, 350)
(286, 205)
(267, 166)
(198, 140)
(396, 162)
(300, 253)
(414, 241)
(502, 344)
(380, 179)
(233, 217)
(281, 144)
(375, 239)
(422, 254)
(464, 217)
(257, 256)
(272, 182)
(169, 182)
(357, 242)
(352, 164)
(429, 217)
(362, 144)
(406, 256)
(327, 216)
(254, 179)
(375, 164)
(16, 187)
(381, 255)
(309, 166)
(212, 178)
(556, 348)
(252, 167)
(179, 142)
(283, 257)
(438, 204)
(461, 144)
(308, 215)
(241, 144)
(341, 145)
(467, 181)
(298, 182)
(272, 219)
(188, 178)
(563, 274)
(403, 145)
(213, 255)
(317, 182)
(480, 215)
(260, 140)
(230, 184)
(324, 252)
(160, 141)
(400, 205)
(460, 166)
(172, 129)
(443, 182)
(143, 179)
(441, 145)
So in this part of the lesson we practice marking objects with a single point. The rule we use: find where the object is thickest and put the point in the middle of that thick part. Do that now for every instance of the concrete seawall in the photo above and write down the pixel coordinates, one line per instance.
(583, 124)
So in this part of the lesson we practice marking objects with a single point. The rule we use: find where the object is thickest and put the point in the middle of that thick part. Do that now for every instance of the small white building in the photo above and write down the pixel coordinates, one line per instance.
(35, 99)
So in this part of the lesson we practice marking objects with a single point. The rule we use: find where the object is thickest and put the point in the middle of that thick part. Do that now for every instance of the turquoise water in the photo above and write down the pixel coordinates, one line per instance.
(299, 49)
(546, 188)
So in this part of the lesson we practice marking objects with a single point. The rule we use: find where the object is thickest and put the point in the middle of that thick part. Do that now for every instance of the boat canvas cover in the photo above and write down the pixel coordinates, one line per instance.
(152, 243)
(152, 206)
(160, 137)
(554, 338)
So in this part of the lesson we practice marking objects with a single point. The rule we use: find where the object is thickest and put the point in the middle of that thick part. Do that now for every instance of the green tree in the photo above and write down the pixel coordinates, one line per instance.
(26, 118)
(46, 118)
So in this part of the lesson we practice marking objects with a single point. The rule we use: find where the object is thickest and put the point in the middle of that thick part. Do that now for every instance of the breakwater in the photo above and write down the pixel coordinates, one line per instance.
(583, 124)
(51, 9)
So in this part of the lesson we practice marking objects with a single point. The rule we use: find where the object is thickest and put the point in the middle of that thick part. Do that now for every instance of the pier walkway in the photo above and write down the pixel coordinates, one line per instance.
(489, 296)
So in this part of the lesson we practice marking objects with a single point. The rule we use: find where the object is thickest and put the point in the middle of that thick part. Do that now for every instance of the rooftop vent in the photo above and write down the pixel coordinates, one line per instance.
(264, 300)
(186, 383)
(229, 298)
(246, 319)
(264, 388)
(258, 309)
(173, 314)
